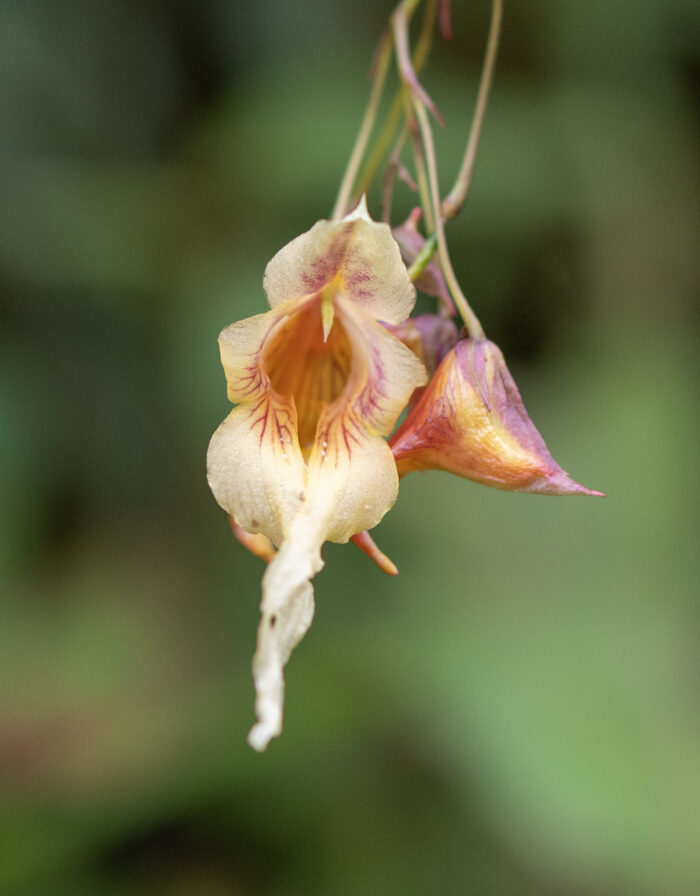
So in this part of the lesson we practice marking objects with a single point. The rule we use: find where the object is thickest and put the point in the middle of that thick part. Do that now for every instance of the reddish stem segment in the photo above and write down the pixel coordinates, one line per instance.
(258, 544)
(363, 541)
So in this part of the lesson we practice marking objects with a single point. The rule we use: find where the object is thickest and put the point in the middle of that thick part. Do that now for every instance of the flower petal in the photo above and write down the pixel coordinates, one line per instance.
(340, 388)
(471, 421)
(359, 254)
(350, 486)
(255, 468)
(254, 464)
(287, 610)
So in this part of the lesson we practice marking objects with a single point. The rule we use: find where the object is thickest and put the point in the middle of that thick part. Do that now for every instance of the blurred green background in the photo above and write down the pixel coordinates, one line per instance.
(518, 714)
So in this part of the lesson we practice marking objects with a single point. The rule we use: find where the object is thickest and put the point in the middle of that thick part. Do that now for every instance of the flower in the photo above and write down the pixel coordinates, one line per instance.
(318, 382)
(471, 421)
(430, 337)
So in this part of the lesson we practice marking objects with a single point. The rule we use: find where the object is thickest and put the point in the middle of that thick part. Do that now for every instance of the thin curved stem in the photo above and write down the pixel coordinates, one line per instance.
(386, 135)
(420, 163)
(470, 319)
(400, 20)
(453, 202)
(412, 91)
(392, 171)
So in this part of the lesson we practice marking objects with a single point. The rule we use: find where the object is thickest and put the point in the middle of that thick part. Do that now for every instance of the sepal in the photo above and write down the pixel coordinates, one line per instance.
(471, 421)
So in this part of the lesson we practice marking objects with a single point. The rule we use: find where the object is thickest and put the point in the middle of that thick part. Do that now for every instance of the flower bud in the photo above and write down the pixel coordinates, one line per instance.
(471, 421)
(429, 336)
(430, 280)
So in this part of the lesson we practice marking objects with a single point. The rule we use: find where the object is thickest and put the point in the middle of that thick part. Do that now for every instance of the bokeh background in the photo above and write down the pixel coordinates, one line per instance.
(518, 714)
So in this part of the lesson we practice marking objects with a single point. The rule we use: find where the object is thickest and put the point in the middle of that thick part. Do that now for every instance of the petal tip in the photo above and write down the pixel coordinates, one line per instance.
(569, 486)
(560, 483)
(360, 210)
(364, 541)
(260, 736)
(578, 489)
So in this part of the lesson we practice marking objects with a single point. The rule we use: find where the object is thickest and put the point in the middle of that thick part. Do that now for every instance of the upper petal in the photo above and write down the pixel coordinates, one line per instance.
(362, 257)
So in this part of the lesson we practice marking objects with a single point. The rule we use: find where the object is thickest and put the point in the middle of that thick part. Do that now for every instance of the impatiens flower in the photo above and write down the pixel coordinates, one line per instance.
(471, 421)
(319, 383)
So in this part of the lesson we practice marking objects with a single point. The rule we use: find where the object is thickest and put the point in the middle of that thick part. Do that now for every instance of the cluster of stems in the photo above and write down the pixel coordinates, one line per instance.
(408, 118)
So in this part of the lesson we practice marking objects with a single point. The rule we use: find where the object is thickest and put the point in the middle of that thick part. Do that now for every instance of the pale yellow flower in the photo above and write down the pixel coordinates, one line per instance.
(318, 383)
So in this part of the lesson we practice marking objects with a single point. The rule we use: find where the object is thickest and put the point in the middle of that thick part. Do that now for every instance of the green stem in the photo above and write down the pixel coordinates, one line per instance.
(422, 260)
(386, 135)
(412, 93)
(470, 319)
(452, 203)
(390, 177)
(420, 162)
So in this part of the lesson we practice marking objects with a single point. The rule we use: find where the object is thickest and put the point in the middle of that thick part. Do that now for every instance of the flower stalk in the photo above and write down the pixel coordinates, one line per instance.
(454, 200)
(470, 319)
(386, 135)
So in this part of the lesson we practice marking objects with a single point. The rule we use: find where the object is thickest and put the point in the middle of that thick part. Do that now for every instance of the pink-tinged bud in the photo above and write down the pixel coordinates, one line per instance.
(471, 421)
(430, 280)
(429, 336)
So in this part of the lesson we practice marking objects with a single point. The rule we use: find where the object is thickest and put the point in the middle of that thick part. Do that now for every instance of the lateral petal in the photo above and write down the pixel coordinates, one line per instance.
(384, 373)
(255, 468)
